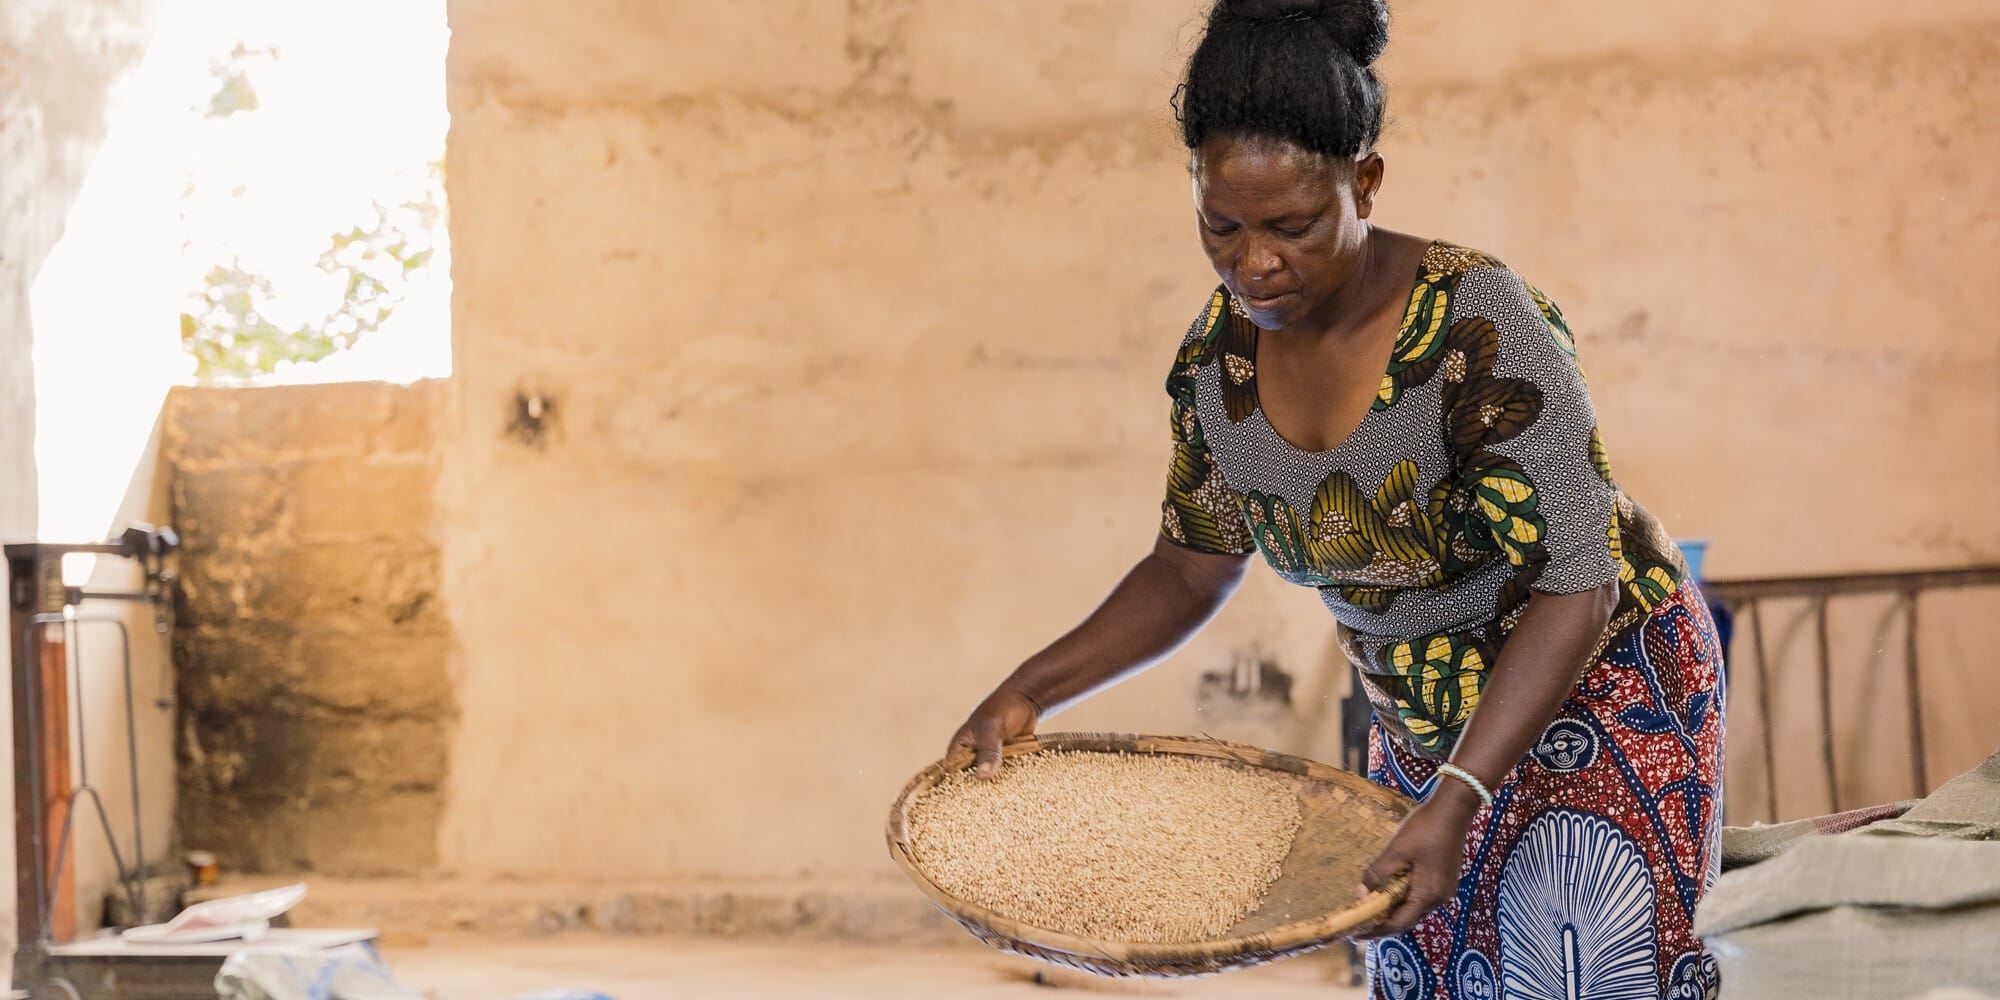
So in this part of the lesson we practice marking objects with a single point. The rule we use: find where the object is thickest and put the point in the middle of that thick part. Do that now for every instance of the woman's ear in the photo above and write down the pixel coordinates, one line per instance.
(1367, 181)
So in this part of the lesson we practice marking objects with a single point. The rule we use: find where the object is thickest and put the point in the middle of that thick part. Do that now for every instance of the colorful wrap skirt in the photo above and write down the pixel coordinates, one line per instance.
(1581, 880)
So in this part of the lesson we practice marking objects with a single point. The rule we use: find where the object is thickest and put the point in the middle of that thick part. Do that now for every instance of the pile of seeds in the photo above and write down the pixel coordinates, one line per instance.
(1134, 848)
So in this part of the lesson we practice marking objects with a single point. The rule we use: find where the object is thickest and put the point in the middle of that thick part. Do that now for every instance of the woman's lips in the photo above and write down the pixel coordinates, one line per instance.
(1266, 303)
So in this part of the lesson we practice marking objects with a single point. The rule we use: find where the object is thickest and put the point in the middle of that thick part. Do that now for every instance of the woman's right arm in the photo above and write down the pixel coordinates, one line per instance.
(1163, 601)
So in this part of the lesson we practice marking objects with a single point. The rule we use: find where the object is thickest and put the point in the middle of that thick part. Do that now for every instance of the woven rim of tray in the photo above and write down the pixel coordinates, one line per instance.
(1284, 939)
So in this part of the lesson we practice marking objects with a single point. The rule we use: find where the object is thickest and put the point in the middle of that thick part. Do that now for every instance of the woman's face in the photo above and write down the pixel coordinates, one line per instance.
(1282, 226)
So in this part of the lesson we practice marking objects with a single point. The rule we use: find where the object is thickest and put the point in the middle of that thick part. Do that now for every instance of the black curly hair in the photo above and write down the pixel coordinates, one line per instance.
(1296, 70)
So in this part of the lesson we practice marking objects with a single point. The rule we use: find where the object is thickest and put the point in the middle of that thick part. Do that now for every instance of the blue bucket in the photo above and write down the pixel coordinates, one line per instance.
(1692, 550)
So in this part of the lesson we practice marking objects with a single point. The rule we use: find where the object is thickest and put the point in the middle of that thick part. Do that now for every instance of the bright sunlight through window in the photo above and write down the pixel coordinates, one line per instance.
(267, 207)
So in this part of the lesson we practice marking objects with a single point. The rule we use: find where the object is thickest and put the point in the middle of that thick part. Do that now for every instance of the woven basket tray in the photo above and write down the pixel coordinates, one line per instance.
(1346, 821)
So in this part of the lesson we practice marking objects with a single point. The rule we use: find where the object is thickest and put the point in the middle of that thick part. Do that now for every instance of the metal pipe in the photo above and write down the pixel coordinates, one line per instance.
(1911, 674)
(1854, 583)
(75, 671)
(163, 679)
(1826, 702)
(1764, 714)
(45, 549)
(137, 890)
(80, 596)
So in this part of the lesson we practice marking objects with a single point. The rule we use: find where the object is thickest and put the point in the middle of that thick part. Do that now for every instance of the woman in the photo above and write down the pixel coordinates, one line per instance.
(1400, 423)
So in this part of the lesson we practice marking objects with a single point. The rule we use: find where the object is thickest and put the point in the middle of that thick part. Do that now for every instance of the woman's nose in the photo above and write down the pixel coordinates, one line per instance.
(1259, 262)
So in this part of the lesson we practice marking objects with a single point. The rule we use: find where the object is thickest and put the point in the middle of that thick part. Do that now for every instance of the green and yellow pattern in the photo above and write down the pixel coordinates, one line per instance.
(1362, 543)
(1437, 680)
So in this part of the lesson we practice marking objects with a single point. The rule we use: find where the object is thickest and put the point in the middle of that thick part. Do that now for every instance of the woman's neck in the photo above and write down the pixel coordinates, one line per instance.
(1350, 308)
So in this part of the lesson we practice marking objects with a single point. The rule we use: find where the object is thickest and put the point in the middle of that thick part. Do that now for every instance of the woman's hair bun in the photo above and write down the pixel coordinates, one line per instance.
(1294, 70)
(1359, 26)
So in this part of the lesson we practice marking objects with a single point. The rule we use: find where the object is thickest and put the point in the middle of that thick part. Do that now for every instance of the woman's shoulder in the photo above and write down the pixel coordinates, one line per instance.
(1213, 330)
(1209, 321)
(1479, 284)
(1473, 282)
(1445, 259)
(1453, 265)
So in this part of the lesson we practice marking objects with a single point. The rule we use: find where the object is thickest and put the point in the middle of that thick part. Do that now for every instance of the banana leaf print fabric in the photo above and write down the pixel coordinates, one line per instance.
(1479, 477)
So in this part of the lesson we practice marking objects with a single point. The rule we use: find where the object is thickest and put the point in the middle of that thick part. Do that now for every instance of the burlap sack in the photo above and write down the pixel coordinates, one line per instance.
(1895, 909)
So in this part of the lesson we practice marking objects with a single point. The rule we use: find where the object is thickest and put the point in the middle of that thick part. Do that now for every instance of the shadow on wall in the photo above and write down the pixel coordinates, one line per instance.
(1255, 689)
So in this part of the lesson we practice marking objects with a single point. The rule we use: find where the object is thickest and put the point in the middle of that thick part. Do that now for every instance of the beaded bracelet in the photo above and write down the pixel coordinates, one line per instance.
(1466, 776)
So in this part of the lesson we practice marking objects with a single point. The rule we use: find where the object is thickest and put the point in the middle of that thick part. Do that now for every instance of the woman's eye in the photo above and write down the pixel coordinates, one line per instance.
(1292, 234)
(1219, 230)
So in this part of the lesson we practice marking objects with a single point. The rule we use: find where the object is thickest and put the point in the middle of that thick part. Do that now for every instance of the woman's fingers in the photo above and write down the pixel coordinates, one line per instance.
(960, 747)
(1370, 881)
(1002, 716)
(979, 739)
(986, 747)
(1423, 894)
(1403, 917)
(1423, 897)
(1379, 873)
(1384, 869)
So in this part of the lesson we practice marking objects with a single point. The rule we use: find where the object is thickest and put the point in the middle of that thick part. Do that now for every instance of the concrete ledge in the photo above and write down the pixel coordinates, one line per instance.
(417, 911)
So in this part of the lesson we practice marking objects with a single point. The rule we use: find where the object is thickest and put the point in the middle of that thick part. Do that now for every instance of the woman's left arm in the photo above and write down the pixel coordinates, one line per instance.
(1542, 661)
(1524, 431)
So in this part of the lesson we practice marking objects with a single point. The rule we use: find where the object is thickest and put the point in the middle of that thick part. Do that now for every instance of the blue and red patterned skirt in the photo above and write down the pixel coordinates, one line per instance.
(1582, 879)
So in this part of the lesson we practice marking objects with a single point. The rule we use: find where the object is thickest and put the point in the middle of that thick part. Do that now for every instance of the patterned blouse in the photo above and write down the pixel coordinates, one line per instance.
(1477, 476)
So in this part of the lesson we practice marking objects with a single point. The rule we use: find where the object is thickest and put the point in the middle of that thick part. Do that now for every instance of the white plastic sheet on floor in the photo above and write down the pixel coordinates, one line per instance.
(350, 972)
(1900, 909)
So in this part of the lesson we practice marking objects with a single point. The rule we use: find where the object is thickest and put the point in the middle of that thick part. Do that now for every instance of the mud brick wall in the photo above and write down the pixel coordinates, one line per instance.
(311, 647)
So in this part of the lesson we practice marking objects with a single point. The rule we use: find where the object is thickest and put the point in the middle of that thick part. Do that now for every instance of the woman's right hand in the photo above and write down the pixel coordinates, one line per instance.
(1004, 715)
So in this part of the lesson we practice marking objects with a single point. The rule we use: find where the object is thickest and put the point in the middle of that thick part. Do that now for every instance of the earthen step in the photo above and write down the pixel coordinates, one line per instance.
(417, 911)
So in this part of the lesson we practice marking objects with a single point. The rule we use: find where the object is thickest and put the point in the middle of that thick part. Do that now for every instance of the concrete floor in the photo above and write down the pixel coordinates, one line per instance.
(665, 968)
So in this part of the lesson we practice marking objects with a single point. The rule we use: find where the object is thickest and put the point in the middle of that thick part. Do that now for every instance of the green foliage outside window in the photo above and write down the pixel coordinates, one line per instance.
(227, 328)
(228, 325)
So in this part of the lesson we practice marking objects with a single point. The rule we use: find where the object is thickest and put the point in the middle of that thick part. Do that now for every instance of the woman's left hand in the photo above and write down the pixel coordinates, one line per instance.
(1429, 847)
